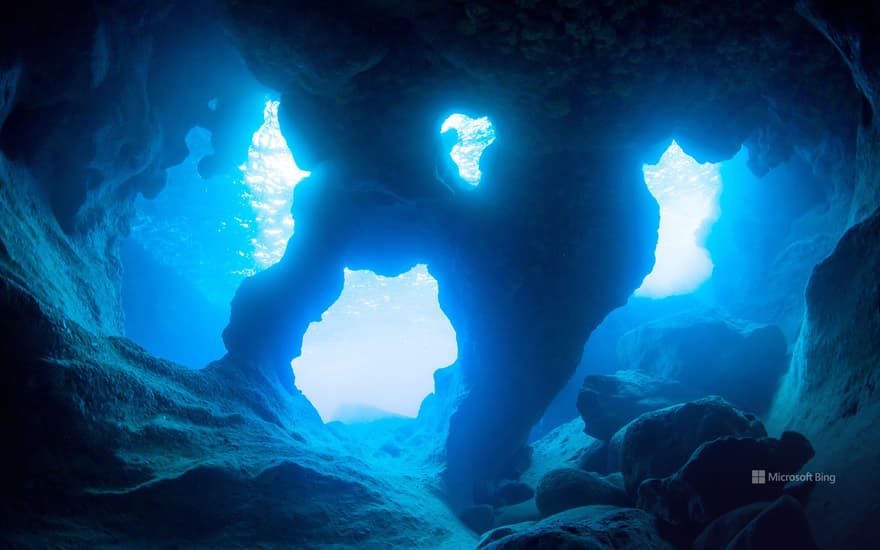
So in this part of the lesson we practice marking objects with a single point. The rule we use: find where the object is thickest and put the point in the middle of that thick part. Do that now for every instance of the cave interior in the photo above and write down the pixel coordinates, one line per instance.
(440, 274)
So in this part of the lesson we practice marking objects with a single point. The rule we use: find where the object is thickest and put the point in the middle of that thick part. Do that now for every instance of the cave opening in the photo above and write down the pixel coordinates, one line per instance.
(687, 193)
(375, 350)
(473, 136)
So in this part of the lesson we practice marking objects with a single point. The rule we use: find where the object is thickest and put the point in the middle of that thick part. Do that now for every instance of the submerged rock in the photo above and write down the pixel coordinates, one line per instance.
(725, 474)
(130, 450)
(517, 513)
(593, 527)
(568, 488)
(781, 525)
(658, 443)
(512, 492)
(722, 530)
(710, 354)
(608, 401)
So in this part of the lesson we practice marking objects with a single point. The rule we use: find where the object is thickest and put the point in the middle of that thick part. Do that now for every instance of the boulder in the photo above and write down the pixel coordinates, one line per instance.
(658, 443)
(781, 525)
(607, 402)
(723, 475)
(612, 451)
(711, 354)
(723, 529)
(568, 488)
(517, 513)
(594, 527)
(594, 458)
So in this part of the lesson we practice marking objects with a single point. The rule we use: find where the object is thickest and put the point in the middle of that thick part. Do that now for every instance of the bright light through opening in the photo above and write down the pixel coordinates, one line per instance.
(687, 193)
(375, 350)
(270, 175)
(474, 135)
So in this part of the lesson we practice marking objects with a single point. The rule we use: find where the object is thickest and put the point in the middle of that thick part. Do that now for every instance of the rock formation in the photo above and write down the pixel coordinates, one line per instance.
(113, 446)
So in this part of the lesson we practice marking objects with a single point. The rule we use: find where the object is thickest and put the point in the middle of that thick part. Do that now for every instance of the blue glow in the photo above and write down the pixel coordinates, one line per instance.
(270, 175)
(375, 351)
(474, 135)
(687, 193)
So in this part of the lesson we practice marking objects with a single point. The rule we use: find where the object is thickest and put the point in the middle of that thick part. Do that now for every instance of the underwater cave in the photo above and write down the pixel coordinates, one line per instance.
(545, 274)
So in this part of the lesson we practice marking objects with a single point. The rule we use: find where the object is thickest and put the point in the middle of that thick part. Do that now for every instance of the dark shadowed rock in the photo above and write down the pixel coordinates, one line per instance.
(512, 492)
(725, 474)
(781, 525)
(616, 479)
(722, 530)
(711, 354)
(517, 513)
(801, 490)
(831, 393)
(658, 443)
(612, 452)
(479, 518)
(568, 488)
(608, 401)
(589, 527)
(595, 458)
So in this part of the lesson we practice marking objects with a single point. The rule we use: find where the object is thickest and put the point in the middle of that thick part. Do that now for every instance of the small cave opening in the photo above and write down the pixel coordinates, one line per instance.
(375, 350)
(687, 193)
(472, 137)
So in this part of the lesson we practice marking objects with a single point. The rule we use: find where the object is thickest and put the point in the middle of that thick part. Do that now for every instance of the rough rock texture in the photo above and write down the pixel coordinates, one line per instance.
(781, 525)
(718, 478)
(156, 455)
(95, 99)
(830, 391)
(658, 443)
(594, 527)
(104, 96)
(607, 402)
(710, 354)
(853, 29)
(834, 371)
(568, 488)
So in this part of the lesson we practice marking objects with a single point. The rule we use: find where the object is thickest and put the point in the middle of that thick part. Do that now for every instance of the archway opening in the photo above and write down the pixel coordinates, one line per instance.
(687, 193)
(375, 350)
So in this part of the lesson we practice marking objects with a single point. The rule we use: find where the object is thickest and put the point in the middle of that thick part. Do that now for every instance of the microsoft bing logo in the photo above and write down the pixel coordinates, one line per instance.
(759, 477)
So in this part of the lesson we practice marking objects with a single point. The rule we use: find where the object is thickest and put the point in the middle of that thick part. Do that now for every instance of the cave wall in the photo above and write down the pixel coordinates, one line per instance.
(830, 391)
(97, 99)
